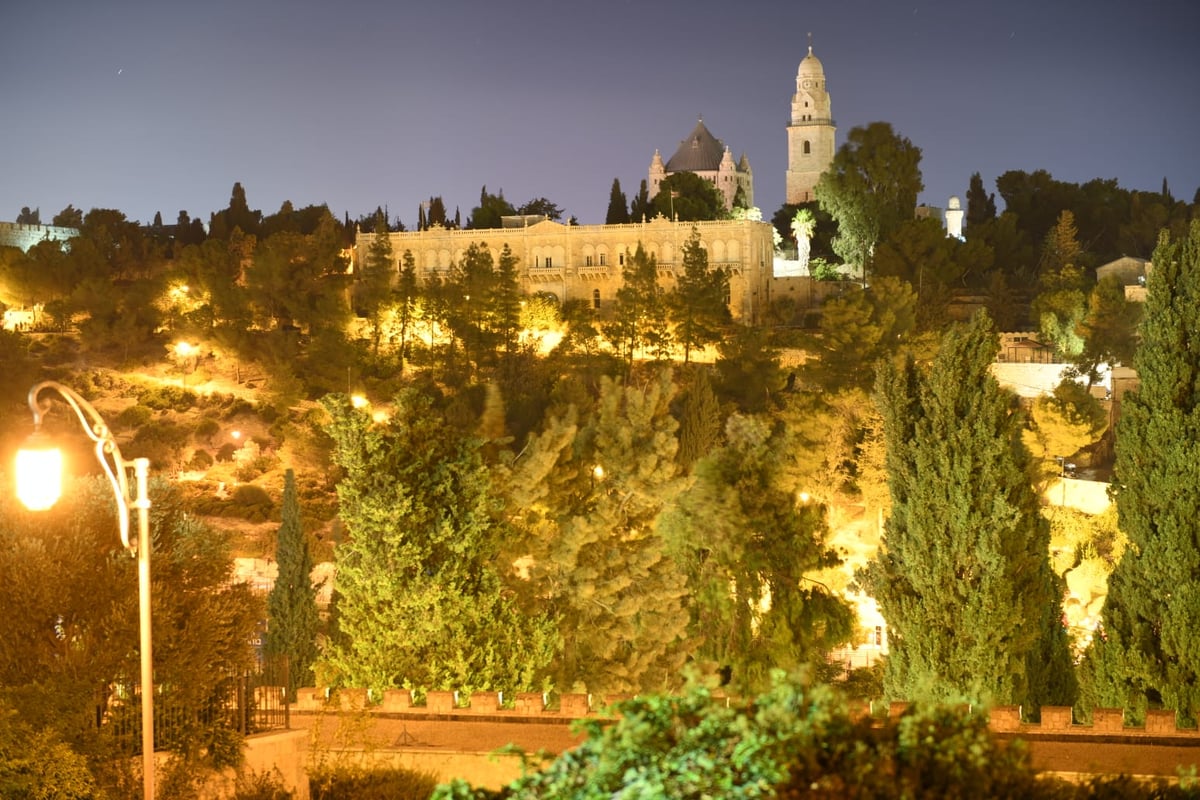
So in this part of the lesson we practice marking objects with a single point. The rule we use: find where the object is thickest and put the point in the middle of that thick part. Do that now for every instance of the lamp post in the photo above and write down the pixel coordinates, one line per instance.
(39, 485)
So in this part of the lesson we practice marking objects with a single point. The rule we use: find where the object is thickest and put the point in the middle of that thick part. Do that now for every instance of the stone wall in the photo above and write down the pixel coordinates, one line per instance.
(14, 234)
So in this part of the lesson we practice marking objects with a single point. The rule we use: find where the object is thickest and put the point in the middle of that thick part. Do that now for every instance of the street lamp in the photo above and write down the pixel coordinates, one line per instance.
(39, 485)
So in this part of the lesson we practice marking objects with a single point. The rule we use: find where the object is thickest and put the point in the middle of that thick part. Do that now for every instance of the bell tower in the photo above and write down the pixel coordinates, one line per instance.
(810, 132)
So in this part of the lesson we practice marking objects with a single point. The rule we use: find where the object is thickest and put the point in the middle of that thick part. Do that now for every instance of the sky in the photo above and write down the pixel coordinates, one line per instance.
(161, 106)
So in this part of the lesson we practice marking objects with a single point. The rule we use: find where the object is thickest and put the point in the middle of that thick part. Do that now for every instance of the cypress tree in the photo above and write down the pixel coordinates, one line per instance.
(292, 602)
(1147, 653)
(700, 420)
(963, 575)
(618, 211)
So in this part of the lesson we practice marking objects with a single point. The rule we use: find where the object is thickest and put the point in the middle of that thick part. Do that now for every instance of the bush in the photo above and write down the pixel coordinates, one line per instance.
(135, 416)
(201, 460)
(166, 398)
(261, 786)
(381, 783)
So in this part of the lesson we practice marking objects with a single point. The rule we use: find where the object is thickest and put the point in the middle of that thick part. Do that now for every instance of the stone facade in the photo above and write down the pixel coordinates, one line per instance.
(705, 155)
(15, 234)
(810, 132)
(586, 262)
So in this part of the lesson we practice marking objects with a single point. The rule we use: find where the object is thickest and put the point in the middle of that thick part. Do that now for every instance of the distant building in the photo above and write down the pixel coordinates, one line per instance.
(707, 156)
(810, 131)
(587, 262)
(23, 237)
(1132, 272)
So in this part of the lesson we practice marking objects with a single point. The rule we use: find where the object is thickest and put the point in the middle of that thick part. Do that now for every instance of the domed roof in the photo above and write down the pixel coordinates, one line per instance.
(810, 66)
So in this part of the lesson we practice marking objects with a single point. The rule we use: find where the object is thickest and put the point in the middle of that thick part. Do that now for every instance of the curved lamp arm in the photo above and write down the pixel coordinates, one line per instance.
(106, 449)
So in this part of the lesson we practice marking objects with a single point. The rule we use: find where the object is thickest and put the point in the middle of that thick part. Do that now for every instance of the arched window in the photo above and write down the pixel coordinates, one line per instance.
(807, 147)
(595, 298)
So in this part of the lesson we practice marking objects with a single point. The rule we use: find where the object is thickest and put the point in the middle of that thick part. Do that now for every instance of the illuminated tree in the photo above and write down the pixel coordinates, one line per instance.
(697, 306)
(1062, 299)
(640, 317)
(862, 326)
(1147, 654)
(870, 189)
(586, 491)
(748, 545)
(963, 576)
(421, 598)
(292, 602)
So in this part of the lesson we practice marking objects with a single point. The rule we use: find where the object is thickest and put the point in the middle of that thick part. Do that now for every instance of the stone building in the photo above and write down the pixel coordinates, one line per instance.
(707, 156)
(586, 262)
(810, 132)
(19, 235)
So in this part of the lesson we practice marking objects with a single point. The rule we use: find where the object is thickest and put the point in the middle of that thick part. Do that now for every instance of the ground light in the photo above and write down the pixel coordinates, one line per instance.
(39, 485)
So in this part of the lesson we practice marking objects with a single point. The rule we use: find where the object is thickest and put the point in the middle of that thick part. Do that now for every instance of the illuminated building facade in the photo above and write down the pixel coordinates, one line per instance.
(587, 262)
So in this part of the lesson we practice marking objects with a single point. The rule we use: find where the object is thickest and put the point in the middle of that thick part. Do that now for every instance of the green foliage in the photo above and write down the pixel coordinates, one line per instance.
(965, 558)
(748, 546)
(292, 602)
(585, 494)
(861, 327)
(165, 397)
(261, 786)
(697, 305)
(790, 742)
(1064, 423)
(689, 197)
(490, 210)
(618, 209)
(378, 783)
(40, 765)
(700, 419)
(1108, 328)
(870, 189)
(747, 370)
(640, 316)
(72, 596)
(421, 600)
(1148, 655)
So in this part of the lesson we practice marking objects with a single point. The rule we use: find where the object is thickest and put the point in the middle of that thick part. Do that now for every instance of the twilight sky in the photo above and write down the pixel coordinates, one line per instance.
(162, 105)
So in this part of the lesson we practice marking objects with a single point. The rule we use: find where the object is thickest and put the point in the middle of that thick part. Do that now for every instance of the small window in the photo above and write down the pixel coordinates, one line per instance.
(549, 262)
(807, 147)
(588, 260)
(595, 298)
(602, 259)
(622, 259)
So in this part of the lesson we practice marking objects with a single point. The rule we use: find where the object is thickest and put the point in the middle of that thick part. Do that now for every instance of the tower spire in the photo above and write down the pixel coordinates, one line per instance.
(810, 43)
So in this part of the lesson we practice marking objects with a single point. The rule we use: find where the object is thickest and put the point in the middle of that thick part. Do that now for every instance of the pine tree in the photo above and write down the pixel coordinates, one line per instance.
(618, 211)
(292, 603)
(1147, 653)
(421, 598)
(963, 576)
(697, 305)
(407, 294)
(640, 317)
(506, 302)
(588, 489)
(748, 545)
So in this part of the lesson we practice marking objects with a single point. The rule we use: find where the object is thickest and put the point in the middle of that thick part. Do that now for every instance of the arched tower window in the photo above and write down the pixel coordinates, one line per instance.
(807, 147)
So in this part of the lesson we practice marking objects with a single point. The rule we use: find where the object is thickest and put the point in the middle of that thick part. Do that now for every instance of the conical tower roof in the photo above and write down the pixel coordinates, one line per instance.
(699, 152)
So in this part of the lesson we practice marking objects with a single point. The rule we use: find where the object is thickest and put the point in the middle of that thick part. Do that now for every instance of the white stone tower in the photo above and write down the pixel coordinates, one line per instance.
(954, 218)
(810, 132)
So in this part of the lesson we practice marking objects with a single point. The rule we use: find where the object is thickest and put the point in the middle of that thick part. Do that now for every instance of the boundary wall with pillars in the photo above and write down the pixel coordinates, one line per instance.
(1056, 720)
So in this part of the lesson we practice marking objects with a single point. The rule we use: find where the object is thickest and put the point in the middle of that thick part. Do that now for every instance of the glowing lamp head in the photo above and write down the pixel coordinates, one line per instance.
(39, 473)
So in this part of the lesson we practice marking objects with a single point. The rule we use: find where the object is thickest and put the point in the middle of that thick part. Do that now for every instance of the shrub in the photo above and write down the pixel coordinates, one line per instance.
(380, 783)
(166, 398)
(261, 786)
(134, 417)
(201, 460)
